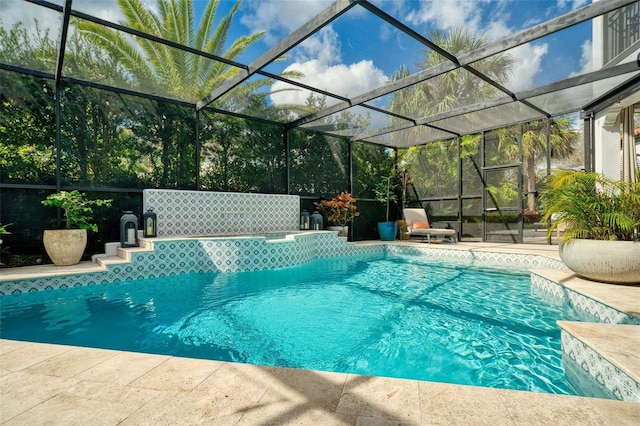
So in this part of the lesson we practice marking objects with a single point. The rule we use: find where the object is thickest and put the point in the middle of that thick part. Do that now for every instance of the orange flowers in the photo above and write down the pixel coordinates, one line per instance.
(340, 210)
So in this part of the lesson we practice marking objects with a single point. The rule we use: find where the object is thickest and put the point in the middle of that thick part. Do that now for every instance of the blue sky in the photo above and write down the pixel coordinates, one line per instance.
(359, 52)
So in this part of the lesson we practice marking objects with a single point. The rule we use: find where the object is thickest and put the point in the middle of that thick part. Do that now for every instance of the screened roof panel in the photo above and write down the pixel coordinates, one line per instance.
(555, 57)
(149, 67)
(409, 137)
(272, 99)
(415, 12)
(574, 98)
(451, 90)
(100, 9)
(425, 62)
(488, 118)
(18, 48)
(355, 53)
(351, 122)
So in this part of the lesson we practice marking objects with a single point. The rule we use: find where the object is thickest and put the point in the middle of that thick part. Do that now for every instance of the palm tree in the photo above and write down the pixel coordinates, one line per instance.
(455, 88)
(163, 69)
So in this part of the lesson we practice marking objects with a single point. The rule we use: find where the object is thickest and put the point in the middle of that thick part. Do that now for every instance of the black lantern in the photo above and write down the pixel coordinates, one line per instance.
(316, 221)
(150, 223)
(128, 230)
(304, 219)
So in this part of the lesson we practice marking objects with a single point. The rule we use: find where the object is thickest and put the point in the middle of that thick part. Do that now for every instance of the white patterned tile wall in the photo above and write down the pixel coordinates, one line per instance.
(602, 372)
(580, 302)
(221, 213)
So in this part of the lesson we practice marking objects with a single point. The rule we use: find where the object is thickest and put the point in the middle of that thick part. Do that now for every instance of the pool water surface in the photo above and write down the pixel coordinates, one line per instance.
(394, 315)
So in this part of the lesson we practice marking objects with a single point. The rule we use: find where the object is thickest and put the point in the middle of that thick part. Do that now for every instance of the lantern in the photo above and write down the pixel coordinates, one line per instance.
(128, 230)
(316, 221)
(150, 223)
(304, 219)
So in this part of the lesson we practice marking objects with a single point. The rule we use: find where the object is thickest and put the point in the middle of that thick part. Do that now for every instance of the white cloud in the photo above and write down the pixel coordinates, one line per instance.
(106, 9)
(324, 47)
(572, 4)
(527, 64)
(281, 17)
(346, 80)
(586, 59)
(447, 15)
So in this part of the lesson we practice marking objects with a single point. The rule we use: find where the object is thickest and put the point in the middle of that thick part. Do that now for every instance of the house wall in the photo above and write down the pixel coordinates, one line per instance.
(607, 149)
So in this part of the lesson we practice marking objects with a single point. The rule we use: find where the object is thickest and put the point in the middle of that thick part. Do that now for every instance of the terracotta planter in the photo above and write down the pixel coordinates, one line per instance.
(616, 262)
(65, 246)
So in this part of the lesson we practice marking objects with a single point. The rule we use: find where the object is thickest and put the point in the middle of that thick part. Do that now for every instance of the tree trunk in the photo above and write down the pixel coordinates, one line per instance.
(531, 183)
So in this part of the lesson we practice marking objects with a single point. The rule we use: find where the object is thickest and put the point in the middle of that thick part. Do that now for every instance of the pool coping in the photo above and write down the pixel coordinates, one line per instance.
(484, 253)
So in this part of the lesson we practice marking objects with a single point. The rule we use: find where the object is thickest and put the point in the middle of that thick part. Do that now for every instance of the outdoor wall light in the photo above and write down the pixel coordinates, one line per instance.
(304, 219)
(150, 223)
(128, 230)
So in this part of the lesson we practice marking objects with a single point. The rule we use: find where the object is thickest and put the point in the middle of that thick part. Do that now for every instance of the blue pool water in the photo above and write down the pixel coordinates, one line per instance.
(397, 316)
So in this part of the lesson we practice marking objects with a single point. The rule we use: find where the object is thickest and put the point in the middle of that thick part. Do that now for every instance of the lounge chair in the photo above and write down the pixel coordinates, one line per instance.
(419, 226)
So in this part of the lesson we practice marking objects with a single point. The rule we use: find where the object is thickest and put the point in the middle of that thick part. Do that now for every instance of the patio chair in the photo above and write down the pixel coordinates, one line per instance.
(418, 224)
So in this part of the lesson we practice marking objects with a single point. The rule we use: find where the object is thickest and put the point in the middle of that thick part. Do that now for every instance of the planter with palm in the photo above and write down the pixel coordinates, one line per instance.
(602, 220)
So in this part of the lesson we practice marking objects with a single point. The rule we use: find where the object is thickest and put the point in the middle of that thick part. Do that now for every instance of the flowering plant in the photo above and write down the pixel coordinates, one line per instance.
(340, 210)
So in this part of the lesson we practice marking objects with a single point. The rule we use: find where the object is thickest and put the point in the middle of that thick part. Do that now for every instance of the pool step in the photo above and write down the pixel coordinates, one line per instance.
(115, 255)
(602, 358)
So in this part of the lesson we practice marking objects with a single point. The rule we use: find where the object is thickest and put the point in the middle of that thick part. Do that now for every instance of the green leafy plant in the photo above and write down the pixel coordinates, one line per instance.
(592, 206)
(385, 192)
(78, 211)
(340, 210)
(4, 251)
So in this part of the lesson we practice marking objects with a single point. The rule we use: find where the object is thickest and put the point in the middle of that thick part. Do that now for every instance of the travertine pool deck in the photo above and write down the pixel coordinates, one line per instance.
(56, 384)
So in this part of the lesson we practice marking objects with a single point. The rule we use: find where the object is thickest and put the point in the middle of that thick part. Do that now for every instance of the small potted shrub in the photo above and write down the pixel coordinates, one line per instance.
(601, 217)
(385, 193)
(339, 211)
(66, 246)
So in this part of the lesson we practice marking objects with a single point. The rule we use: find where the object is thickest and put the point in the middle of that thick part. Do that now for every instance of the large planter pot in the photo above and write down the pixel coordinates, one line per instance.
(65, 246)
(387, 230)
(343, 231)
(616, 262)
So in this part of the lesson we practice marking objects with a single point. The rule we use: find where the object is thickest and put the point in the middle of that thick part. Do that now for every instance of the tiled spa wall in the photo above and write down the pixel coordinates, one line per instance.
(221, 254)
(218, 213)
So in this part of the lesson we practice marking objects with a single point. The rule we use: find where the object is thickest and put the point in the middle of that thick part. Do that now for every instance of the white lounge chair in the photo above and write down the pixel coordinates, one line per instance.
(418, 224)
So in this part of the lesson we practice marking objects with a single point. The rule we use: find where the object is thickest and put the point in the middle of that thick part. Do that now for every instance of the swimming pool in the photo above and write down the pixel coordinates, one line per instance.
(387, 315)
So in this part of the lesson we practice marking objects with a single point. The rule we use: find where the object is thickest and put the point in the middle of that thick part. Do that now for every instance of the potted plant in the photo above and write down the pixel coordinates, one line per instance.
(340, 212)
(66, 246)
(385, 193)
(4, 251)
(601, 217)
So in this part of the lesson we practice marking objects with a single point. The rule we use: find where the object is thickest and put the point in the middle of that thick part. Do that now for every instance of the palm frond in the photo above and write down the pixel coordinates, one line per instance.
(139, 17)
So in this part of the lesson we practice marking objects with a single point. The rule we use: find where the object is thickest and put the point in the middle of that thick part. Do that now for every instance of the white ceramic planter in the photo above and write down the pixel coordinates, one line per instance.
(616, 262)
(343, 231)
(65, 246)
